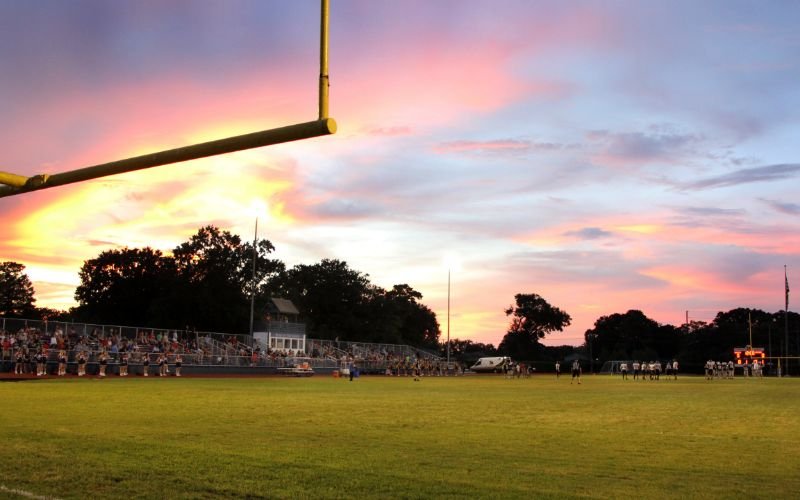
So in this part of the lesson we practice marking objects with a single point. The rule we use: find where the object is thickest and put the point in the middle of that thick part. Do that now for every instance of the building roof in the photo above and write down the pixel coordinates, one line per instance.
(284, 306)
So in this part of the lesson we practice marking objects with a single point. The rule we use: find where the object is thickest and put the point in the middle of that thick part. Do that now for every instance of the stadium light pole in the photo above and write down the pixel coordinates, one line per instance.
(769, 349)
(257, 209)
(453, 263)
(253, 279)
(786, 322)
(448, 319)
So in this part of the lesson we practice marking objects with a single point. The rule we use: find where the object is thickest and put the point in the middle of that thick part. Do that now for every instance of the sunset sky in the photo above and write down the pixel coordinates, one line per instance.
(605, 155)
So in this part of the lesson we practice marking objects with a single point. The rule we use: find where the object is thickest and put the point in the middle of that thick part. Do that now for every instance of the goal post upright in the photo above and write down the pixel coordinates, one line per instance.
(324, 81)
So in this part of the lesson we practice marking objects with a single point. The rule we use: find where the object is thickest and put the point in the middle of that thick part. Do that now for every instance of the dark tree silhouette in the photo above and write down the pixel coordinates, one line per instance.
(532, 318)
(16, 291)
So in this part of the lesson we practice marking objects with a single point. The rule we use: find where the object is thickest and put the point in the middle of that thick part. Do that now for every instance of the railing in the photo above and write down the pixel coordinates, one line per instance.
(75, 331)
(197, 348)
(279, 327)
(366, 350)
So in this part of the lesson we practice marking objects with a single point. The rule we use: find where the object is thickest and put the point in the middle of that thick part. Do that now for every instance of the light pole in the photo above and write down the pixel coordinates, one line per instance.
(253, 280)
(451, 262)
(769, 349)
(786, 321)
(448, 319)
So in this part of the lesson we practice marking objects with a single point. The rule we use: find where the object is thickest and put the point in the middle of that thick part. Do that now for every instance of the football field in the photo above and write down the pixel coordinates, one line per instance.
(382, 437)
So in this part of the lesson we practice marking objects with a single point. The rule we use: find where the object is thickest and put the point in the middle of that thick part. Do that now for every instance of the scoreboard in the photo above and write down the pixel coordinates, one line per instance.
(746, 355)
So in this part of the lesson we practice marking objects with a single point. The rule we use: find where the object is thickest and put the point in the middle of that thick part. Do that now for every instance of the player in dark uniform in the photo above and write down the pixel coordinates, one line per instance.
(145, 364)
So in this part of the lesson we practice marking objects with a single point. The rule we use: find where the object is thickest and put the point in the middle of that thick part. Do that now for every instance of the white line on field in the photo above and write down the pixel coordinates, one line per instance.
(26, 494)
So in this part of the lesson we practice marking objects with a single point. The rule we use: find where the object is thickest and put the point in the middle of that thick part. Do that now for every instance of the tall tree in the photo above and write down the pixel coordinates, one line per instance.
(632, 336)
(532, 318)
(122, 286)
(215, 273)
(16, 291)
(205, 284)
(333, 298)
(416, 323)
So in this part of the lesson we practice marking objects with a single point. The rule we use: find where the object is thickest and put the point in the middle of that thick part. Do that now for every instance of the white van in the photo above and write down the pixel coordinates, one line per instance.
(490, 365)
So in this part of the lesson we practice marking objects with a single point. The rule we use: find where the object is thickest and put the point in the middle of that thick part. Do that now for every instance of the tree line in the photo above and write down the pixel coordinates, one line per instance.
(634, 336)
(206, 283)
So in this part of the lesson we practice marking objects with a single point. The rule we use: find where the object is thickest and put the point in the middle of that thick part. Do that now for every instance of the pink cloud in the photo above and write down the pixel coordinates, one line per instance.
(502, 145)
(389, 131)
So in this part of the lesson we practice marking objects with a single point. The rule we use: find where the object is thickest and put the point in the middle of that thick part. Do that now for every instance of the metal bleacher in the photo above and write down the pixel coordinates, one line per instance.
(199, 349)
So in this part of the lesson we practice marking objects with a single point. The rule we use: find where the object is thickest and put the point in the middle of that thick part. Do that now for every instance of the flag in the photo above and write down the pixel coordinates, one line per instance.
(786, 278)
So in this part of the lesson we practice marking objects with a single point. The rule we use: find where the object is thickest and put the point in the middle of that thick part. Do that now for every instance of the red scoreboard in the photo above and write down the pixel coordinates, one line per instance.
(749, 354)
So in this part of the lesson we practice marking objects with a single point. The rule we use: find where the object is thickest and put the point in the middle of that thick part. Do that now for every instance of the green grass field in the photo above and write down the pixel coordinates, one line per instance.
(467, 437)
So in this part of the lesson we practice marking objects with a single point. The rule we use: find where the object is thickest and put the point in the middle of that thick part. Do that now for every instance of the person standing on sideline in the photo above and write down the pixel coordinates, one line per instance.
(675, 369)
(28, 362)
(40, 360)
(62, 362)
(19, 359)
(623, 368)
(81, 364)
(145, 364)
(178, 364)
(576, 372)
(635, 370)
(558, 369)
(123, 365)
(103, 363)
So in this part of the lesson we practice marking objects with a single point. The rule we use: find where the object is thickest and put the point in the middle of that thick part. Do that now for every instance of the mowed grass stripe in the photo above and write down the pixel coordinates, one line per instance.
(482, 437)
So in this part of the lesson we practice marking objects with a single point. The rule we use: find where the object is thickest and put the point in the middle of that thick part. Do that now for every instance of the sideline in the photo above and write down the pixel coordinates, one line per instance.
(26, 494)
